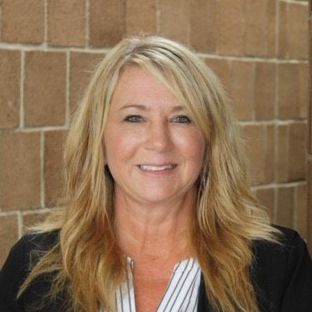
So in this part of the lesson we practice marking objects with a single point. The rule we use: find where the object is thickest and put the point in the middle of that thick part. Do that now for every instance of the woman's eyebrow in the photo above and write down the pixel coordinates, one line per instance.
(137, 106)
(174, 109)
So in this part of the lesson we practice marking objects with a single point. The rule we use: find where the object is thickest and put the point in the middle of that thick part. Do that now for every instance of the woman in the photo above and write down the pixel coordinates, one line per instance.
(158, 214)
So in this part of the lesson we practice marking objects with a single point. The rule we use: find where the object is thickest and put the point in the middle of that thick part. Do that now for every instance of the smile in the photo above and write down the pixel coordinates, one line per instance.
(157, 168)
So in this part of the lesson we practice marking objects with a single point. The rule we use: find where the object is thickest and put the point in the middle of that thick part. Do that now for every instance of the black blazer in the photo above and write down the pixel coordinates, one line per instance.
(282, 275)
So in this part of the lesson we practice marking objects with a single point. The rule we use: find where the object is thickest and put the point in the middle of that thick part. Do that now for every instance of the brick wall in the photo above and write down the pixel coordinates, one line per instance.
(259, 48)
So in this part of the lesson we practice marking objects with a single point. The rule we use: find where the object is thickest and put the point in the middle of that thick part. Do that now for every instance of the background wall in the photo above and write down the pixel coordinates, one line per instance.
(259, 48)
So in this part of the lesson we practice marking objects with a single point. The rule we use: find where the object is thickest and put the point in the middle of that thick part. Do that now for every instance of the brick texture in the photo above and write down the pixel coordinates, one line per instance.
(221, 67)
(66, 22)
(22, 21)
(174, 19)
(297, 31)
(10, 88)
(286, 204)
(107, 28)
(266, 198)
(8, 235)
(141, 17)
(283, 40)
(293, 25)
(203, 34)
(81, 67)
(265, 91)
(53, 166)
(288, 91)
(297, 152)
(45, 88)
(242, 89)
(260, 27)
(282, 155)
(303, 90)
(19, 171)
(260, 142)
(231, 27)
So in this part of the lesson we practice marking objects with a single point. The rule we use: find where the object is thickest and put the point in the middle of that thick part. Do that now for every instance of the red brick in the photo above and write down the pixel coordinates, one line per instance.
(282, 154)
(66, 22)
(297, 30)
(302, 210)
(259, 142)
(288, 91)
(141, 17)
(297, 152)
(81, 67)
(19, 170)
(53, 166)
(286, 204)
(8, 235)
(33, 219)
(10, 88)
(265, 91)
(203, 20)
(266, 198)
(108, 27)
(23, 21)
(45, 88)
(242, 88)
(174, 19)
(231, 27)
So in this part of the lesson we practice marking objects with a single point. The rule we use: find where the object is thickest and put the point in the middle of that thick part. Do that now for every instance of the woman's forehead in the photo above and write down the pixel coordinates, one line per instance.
(139, 88)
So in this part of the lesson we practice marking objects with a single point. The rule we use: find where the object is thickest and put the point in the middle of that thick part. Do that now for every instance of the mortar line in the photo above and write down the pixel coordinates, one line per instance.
(46, 48)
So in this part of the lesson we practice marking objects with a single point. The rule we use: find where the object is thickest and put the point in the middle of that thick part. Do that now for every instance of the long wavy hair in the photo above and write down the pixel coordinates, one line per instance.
(87, 261)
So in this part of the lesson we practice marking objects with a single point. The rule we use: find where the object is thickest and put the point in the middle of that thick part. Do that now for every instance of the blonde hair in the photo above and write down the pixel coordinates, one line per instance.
(87, 260)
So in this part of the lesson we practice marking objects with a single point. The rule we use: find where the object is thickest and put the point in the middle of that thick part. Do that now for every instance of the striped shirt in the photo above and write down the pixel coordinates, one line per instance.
(181, 294)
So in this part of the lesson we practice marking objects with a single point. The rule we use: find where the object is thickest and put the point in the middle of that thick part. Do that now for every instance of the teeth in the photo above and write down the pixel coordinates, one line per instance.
(156, 167)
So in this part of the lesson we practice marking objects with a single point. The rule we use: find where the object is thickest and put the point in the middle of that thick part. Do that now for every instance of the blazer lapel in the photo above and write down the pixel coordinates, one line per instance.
(203, 303)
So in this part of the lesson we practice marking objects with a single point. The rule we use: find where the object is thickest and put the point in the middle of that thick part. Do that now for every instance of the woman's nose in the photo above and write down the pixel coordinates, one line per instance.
(157, 136)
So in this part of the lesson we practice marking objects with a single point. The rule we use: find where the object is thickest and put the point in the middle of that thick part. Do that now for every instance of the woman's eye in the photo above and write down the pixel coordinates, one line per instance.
(133, 118)
(182, 119)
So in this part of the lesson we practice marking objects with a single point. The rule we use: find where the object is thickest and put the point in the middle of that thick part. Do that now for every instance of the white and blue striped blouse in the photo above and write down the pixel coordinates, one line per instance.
(181, 294)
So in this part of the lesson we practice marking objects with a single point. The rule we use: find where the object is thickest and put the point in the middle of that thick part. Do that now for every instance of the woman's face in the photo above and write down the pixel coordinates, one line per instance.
(153, 149)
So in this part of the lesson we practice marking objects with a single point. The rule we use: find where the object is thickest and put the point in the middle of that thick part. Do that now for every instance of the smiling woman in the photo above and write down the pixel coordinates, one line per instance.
(153, 150)
(158, 214)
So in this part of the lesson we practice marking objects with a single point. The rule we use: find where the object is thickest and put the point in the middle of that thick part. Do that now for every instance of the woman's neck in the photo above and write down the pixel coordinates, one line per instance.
(155, 231)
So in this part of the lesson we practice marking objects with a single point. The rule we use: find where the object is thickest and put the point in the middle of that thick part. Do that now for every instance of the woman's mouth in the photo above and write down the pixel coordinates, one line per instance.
(156, 168)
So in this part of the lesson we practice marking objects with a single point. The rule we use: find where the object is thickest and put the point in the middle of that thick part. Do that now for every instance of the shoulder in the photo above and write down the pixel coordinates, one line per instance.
(282, 272)
(22, 257)
(28, 248)
(288, 240)
(289, 248)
